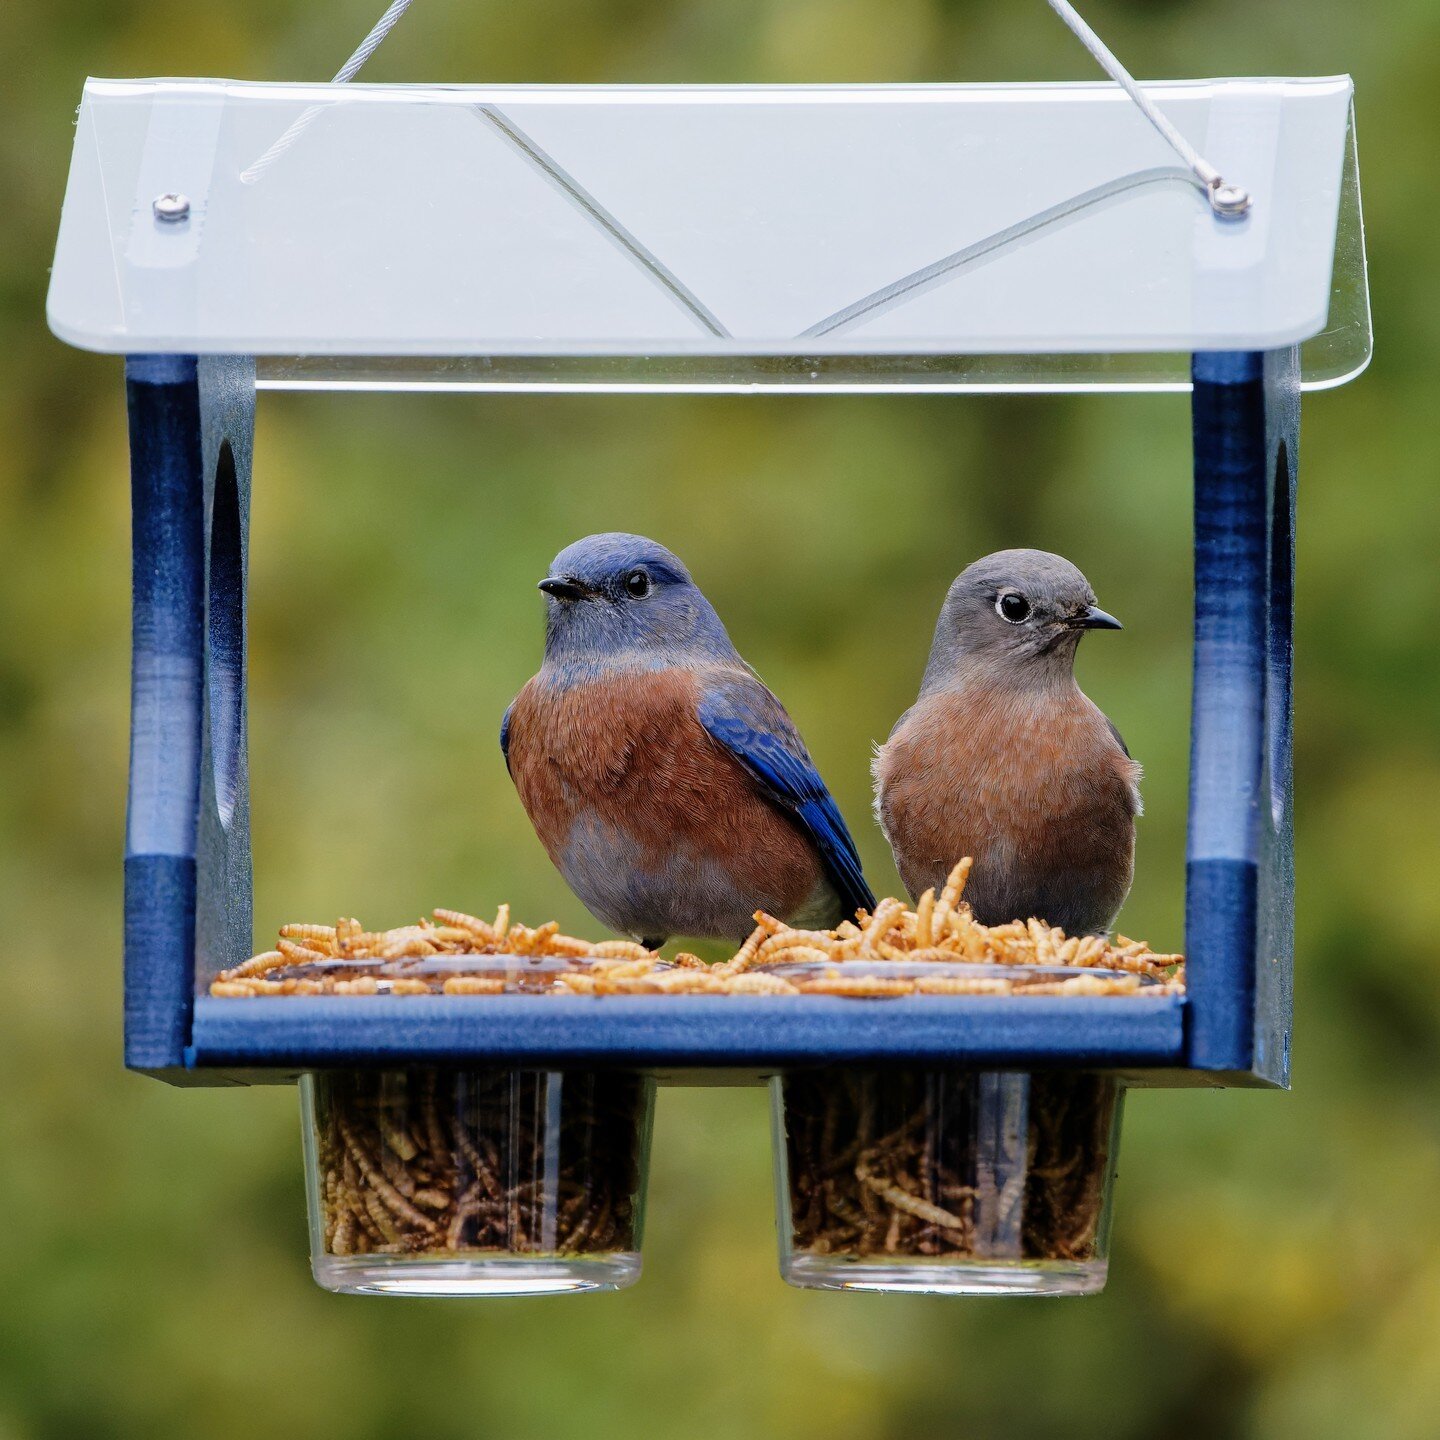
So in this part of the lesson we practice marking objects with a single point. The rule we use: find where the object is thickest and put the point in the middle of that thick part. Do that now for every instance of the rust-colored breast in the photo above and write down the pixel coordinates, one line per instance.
(1040, 793)
(630, 754)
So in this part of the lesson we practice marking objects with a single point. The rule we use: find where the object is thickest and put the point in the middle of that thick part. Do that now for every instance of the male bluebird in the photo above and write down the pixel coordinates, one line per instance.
(1003, 757)
(667, 784)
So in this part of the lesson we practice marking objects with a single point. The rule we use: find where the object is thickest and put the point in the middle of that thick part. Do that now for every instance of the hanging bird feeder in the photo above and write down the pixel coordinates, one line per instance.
(231, 238)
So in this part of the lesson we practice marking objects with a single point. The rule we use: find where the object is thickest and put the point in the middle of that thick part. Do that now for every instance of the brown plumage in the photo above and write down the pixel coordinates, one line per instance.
(625, 760)
(1042, 797)
(1003, 758)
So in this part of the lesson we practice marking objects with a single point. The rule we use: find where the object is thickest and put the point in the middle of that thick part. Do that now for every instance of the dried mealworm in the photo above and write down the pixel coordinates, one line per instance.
(471, 924)
(568, 945)
(257, 965)
(363, 985)
(757, 982)
(379, 1185)
(692, 982)
(924, 914)
(452, 935)
(885, 916)
(955, 884)
(232, 989)
(744, 957)
(807, 955)
(791, 939)
(406, 987)
(412, 947)
(576, 984)
(378, 1213)
(893, 1195)
(300, 954)
(395, 1135)
(317, 937)
(473, 985)
(859, 988)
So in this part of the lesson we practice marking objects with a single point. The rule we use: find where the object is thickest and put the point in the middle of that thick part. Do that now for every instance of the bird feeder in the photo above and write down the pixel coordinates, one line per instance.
(960, 239)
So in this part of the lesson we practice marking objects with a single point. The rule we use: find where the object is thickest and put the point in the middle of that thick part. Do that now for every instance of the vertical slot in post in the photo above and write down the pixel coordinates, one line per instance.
(223, 914)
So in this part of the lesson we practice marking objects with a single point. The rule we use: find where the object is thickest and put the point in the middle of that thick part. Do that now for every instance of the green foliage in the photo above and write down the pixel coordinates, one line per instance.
(1276, 1270)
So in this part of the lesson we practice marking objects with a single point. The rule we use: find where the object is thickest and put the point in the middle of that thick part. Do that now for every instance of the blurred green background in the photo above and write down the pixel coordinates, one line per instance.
(1276, 1267)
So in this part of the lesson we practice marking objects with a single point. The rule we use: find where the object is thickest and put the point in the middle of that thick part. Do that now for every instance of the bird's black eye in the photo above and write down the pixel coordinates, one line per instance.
(637, 584)
(1013, 607)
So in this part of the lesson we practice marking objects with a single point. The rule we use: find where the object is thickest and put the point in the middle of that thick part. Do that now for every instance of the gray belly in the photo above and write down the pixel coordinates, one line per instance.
(1083, 900)
(1082, 895)
(688, 895)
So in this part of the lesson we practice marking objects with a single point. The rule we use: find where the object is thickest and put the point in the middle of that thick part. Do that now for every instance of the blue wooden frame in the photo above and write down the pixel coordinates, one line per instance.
(1240, 868)
(187, 864)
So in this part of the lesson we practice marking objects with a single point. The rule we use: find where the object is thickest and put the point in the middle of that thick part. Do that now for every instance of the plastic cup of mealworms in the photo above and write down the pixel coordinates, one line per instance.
(946, 1182)
(475, 1183)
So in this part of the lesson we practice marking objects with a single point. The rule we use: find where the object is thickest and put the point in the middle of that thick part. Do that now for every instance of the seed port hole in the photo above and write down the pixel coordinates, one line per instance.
(226, 634)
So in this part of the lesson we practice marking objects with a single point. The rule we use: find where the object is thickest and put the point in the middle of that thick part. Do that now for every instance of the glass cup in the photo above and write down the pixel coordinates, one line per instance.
(468, 1183)
(945, 1181)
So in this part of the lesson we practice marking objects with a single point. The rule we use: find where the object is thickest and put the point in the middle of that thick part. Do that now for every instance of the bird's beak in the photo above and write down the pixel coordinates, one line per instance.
(1092, 617)
(564, 587)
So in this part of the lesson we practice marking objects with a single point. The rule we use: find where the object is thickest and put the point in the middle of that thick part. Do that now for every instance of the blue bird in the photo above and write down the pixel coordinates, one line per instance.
(1005, 759)
(666, 783)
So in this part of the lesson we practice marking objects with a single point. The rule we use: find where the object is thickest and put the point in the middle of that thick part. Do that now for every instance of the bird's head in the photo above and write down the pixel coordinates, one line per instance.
(623, 597)
(1015, 616)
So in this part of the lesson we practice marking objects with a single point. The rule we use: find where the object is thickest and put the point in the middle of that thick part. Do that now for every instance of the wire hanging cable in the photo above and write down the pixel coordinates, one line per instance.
(1226, 200)
(347, 72)
(372, 42)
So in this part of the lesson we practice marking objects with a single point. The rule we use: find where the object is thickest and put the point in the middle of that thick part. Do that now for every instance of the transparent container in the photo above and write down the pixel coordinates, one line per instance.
(470, 1183)
(949, 1182)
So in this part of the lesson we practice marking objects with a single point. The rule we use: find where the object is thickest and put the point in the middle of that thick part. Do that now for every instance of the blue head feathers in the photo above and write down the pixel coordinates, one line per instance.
(618, 597)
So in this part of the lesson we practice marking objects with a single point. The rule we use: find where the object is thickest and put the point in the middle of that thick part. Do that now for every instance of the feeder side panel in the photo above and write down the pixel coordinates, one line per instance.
(1239, 877)
(223, 916)
(1275, 961)
(167, 509)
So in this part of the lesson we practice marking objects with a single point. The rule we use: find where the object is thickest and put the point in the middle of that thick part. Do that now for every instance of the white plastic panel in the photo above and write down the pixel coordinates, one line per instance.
(847, 237)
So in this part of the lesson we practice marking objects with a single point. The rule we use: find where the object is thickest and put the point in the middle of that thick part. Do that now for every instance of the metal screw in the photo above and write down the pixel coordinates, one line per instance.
(1230, 202)
(171, 207)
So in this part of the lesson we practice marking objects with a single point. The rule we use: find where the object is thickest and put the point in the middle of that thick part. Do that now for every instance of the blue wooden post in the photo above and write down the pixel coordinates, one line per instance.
(190, 427)
(1240, 876)
(167, 500)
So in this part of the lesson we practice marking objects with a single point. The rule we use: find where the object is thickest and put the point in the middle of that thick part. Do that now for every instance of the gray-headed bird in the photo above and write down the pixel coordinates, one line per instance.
(1005, 759)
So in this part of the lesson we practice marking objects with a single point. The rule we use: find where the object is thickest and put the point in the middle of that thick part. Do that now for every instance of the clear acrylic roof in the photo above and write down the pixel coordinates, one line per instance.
(875, 237)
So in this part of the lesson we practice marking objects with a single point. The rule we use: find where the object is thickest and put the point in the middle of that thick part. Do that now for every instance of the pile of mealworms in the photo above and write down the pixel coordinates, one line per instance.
(448, 952)
(897, 1164)
(453, 953)
(435, 1162)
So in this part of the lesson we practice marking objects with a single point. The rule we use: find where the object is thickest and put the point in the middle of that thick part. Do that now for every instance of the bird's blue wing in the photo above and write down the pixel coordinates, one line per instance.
(752, 725)
(505, 737)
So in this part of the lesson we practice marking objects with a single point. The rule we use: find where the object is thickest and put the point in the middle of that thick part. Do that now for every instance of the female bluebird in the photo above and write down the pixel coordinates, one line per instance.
(1003, 757)
(667, 784)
